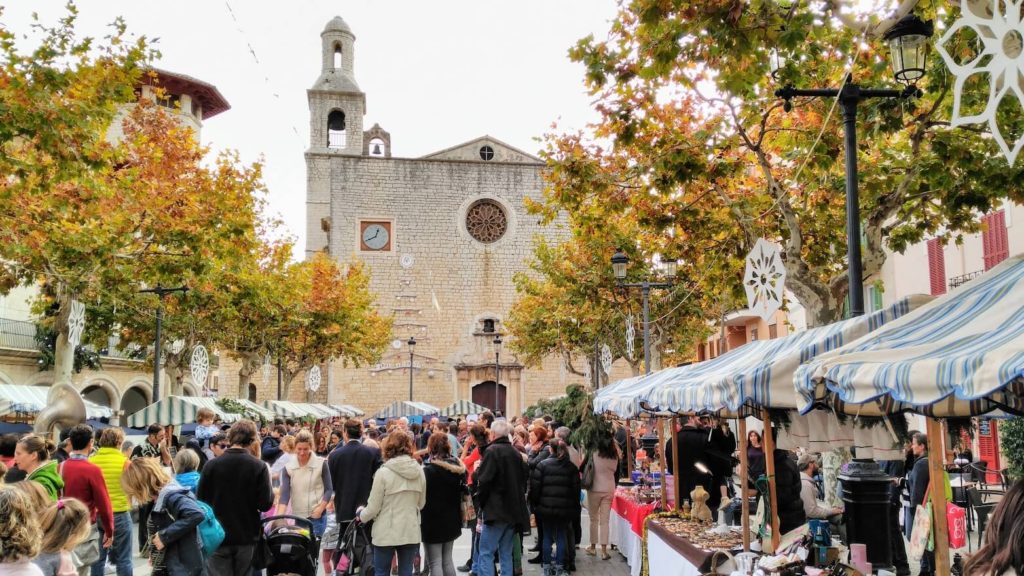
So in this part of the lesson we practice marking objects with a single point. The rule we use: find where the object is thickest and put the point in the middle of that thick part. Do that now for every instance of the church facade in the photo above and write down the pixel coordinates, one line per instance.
(442, 236)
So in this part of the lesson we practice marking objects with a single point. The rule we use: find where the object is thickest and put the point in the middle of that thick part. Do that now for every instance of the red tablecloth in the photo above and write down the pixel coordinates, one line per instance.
(633, 511)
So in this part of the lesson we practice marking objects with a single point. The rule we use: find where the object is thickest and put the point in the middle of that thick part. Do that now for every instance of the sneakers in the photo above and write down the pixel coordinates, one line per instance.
(109, 568)
(465, 567)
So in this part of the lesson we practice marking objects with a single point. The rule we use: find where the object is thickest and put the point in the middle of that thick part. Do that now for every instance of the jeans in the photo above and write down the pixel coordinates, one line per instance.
(233, 560)
(319, 525)
(555, 532)
(120, 551)
(439, 558)
(497, 537)
(382, 556)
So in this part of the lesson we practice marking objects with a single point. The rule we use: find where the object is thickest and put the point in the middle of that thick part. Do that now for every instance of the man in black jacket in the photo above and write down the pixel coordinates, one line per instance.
(352, 467)
(501, 490)
(693, 443)
(237, 486)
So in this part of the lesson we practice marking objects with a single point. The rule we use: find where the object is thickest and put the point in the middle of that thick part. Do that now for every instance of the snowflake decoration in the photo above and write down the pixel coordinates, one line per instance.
(630, 336)
(606, 359)
(764, 279)
(76, 323)
(313, 379)
(200, 365)
(266, 369)
(1001, 58)
(177, 346)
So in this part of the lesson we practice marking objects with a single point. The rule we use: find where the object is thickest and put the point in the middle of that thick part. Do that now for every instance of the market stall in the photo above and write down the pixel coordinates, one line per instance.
(960, 355)
(17, 400)
(302, 409)
(348, 410)
(401, 408)
(626, 527)
(177, 410)
(462, 408)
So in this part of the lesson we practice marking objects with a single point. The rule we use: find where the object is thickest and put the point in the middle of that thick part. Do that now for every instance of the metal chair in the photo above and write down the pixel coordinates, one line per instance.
(983, 502)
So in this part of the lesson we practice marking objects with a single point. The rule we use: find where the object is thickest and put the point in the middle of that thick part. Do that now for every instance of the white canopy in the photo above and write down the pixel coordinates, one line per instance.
(18, 398)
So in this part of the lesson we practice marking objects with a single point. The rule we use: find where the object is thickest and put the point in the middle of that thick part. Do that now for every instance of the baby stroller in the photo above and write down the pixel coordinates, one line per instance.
(293, 547)
(353, 553)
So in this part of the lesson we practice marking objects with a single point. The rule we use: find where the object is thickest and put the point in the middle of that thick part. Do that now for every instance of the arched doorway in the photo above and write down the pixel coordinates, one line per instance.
(134, 399)
(484, 395)
(252, 392)
(98, 395)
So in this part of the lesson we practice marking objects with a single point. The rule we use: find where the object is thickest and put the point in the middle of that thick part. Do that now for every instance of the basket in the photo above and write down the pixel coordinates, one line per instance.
(718, 559)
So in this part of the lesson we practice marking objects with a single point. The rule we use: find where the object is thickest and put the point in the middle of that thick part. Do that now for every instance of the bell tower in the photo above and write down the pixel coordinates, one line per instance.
(336, 104)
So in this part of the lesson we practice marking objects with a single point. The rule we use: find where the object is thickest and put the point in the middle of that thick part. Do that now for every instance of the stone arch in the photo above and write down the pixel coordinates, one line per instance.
(101, 390)
(137, 396)
(484, 395)
(337, 55)
(189, 389)
(336, 135)
(252, 392)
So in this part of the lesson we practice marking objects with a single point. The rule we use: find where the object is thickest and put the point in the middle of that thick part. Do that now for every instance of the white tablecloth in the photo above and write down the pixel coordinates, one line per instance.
(663, 560)
(629, 544)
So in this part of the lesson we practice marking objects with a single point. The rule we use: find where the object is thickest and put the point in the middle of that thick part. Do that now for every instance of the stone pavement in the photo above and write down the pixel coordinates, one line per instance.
(586, 565)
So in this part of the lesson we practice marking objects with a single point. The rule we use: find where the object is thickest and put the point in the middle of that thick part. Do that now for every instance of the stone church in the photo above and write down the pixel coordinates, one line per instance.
(442, 236)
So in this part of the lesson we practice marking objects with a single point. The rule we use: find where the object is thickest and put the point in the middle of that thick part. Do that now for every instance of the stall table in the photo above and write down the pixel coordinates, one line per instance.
(626, 527)
(671, 554)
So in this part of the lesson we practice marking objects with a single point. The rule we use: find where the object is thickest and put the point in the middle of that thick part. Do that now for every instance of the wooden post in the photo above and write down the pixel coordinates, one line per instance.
(744, 490)
(936, 459)
(676, 480)
(629, 450)
(769, 461)
(661, 459)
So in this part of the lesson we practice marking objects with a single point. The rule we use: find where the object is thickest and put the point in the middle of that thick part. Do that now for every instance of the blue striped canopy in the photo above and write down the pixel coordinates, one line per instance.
(960, 355)
(620, 398)
(757, 374)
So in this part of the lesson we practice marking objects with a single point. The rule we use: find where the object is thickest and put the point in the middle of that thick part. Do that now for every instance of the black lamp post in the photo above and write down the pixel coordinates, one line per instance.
(160, 291)
(619, 264)
(412, 349)
(497, 370)
(908, 42)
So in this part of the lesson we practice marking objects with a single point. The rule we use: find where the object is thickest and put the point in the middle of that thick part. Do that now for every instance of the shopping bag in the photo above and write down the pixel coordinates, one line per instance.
(956, 520)
(921, 532)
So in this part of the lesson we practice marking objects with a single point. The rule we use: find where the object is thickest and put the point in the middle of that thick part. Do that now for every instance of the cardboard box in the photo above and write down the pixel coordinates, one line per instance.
(822, 556)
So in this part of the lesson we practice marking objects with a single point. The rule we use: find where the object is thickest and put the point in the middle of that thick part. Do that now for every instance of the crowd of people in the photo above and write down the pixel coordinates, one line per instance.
(386, 499)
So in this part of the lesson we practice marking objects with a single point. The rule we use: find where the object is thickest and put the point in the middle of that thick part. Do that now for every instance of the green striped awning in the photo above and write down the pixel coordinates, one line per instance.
(24, 399)
(177, 410)
(301, 409)
(401, 408)
(463, 408)
(348, 410)
(265, 414)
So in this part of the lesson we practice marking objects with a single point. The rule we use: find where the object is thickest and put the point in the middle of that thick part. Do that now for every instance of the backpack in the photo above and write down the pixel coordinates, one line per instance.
(211, 533)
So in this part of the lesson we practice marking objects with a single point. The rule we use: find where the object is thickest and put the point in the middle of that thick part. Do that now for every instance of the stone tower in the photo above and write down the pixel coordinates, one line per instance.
(336, 110)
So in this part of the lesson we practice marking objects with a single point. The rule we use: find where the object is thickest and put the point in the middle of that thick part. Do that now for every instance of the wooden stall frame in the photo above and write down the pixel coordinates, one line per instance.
(744, 489)
(769, 461)
(661, 459)
(676, 480)
(936, 458)
(629, 449)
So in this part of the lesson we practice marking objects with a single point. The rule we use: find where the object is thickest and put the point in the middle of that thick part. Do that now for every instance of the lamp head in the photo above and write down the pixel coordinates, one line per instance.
(619, 263)
(908, 47)
(412, 342)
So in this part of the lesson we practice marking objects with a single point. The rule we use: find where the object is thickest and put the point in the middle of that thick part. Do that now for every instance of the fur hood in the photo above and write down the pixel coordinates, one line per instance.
(449, 464)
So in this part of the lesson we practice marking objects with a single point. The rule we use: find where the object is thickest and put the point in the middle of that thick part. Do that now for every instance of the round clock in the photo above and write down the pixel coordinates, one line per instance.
(396, 344)
(406, 261)
(375, 236)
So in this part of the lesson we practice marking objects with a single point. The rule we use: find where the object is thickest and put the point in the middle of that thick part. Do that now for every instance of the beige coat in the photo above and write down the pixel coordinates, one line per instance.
(307, 484)
(399, 493)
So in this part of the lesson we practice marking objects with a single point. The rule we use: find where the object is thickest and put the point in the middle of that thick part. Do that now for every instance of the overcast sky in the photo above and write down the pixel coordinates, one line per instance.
(435, 73)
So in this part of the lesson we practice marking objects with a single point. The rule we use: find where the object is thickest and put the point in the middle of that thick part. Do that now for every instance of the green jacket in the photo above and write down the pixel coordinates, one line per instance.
(50, 479)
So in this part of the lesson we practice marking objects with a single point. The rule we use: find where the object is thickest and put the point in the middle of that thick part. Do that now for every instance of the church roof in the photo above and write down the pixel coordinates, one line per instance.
(471, 150)
(212, 100)
(337, 24)
(336, 81)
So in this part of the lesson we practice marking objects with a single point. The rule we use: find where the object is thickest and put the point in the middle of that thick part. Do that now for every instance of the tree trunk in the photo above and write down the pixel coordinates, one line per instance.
(251, 362)
(64, 352)
(174, 368)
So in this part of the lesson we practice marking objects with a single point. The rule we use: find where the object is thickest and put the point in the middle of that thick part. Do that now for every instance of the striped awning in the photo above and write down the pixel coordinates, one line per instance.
(264, 413)
(960, 355)
(621, 398)
(177, 410)
(301, 409)
(24, 399)
(349, 410)
(758, 374)
(463, 408)
(401, 408)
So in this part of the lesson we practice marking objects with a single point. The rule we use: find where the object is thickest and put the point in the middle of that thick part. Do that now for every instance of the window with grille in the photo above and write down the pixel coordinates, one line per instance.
(936, 267)
(994, 240)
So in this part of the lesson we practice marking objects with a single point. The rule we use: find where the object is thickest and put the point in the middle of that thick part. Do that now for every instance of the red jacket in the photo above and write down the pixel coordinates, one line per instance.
(83, 480)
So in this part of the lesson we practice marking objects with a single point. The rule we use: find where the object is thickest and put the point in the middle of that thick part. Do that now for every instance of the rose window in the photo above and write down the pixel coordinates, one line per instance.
(486, 221)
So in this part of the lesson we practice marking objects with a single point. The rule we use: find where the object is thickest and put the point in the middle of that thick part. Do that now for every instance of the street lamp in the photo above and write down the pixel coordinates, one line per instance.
(160, 291)
(619, 264)
(908, 43)
(412, 348)
(497, 370)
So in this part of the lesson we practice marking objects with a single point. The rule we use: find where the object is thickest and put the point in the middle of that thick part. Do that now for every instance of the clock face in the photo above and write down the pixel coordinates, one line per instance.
(396, 344)
(406, 261)
(376, 237)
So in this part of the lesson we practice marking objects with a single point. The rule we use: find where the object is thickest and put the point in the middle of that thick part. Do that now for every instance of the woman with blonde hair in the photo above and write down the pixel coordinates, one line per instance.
(19, 533)
(33, 456)
(37, 496)
(306, 484)
(398, 494)
(175, 548)
(65, 525)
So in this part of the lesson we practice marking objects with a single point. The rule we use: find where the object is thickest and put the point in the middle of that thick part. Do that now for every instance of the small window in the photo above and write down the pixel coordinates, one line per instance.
(197, 109)
(169, 101)
(489, 326)
(753, 332)
(337, 55)
(486, 153)
(773, 331)
(336, 129)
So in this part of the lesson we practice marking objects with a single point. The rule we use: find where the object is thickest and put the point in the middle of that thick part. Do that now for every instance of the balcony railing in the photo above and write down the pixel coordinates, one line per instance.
(17, 334)
(962, 279)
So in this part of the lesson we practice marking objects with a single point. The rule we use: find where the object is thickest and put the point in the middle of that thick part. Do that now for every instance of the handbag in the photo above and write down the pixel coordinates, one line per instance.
(468, 510)
(921, 532)
(587, 481)
(262, 556)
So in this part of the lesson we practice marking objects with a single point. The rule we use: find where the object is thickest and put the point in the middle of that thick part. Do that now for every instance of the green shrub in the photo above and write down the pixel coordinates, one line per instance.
(1011, 437)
